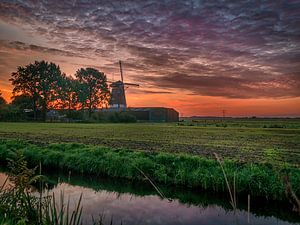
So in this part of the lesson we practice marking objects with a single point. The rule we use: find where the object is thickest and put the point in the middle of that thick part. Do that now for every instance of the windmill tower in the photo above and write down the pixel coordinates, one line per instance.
(118, 98)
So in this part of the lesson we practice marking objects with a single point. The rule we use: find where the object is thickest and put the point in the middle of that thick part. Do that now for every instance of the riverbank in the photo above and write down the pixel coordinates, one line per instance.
(260, 180)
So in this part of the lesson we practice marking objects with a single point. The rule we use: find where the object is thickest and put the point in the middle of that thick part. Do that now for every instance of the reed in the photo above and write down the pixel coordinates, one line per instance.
(19, 206)
(231, 191)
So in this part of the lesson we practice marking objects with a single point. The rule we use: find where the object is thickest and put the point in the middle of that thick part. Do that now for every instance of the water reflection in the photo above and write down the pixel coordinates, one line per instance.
(136, 204)
(132, 209)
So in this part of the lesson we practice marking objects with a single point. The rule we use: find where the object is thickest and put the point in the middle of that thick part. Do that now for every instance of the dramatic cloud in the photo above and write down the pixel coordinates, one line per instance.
(232, 49)
(234, 87)
(20, 46)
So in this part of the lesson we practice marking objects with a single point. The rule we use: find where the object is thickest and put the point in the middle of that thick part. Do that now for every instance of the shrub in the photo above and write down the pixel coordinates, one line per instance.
(121, 117)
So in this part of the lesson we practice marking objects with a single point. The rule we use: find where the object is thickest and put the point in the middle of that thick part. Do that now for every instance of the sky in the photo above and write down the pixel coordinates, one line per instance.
(199, 57)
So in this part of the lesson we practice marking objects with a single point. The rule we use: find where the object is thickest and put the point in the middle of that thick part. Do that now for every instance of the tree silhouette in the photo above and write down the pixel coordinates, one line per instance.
(92, 89)
(2, 100)
(22, 101)
(67, 93)
(40, 81)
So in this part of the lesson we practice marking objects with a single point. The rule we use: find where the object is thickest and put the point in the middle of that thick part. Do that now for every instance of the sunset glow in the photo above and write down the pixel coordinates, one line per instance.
(199, 57)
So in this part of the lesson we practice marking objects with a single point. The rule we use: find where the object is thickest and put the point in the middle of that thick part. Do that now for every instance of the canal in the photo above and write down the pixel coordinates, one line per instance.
(137, 203)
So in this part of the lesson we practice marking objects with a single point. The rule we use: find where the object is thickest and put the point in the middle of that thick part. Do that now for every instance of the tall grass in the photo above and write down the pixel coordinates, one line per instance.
(19, 206)
(260, 180)
(231, 191)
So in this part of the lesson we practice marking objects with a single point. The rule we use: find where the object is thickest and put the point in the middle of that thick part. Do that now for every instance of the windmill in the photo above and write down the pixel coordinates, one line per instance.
(118, 99)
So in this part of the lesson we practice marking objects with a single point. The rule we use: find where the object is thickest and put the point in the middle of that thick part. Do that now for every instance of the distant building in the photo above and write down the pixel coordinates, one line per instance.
(54, 115)
(154, 114)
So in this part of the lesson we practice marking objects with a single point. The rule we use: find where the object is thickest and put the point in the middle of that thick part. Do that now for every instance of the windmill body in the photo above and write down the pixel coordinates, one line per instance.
(118, 98)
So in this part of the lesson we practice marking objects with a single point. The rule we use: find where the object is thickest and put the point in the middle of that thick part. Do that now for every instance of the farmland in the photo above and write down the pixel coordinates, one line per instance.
(256, 154)
(252, 140)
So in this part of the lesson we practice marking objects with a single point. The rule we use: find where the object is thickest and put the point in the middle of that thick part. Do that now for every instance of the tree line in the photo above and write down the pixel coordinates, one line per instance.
(40, 86)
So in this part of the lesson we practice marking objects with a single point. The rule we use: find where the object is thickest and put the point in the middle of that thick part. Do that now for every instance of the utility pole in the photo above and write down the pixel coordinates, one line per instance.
(224, 113)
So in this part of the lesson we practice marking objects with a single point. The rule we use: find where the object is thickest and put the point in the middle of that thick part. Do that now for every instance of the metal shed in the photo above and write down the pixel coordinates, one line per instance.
(154, 114)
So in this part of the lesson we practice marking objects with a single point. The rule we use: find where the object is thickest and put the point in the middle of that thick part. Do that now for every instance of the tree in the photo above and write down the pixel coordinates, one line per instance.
(2, 100)
(92, 89)
(24, 104)
(23, 101)
(67, 93)
(38, 80)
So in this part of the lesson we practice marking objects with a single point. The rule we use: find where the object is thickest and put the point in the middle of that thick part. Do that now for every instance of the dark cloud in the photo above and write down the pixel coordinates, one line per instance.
(231, 87)
(236, 49)
(21, 46)
(143, 91)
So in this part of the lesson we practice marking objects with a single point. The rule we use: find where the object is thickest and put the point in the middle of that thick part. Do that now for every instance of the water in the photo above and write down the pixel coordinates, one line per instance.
(137, 204)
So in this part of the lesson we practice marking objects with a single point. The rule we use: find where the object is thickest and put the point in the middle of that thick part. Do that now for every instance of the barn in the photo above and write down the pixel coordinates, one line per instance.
(154, 114)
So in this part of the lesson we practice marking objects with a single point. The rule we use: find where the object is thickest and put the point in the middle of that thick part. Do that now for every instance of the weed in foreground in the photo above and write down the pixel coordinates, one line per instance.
(19, 206)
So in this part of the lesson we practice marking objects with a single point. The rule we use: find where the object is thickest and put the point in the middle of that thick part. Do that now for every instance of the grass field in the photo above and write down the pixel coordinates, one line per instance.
(260, 152)
(245, 140)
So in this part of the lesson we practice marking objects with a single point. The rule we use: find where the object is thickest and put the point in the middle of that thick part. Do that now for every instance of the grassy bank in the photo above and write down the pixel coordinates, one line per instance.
(242, 140)
(175, 169)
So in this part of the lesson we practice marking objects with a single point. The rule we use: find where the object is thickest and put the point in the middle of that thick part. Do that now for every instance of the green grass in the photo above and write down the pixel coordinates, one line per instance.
(242, 140)
(258, 151)
(287, 123)
(175, 169)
